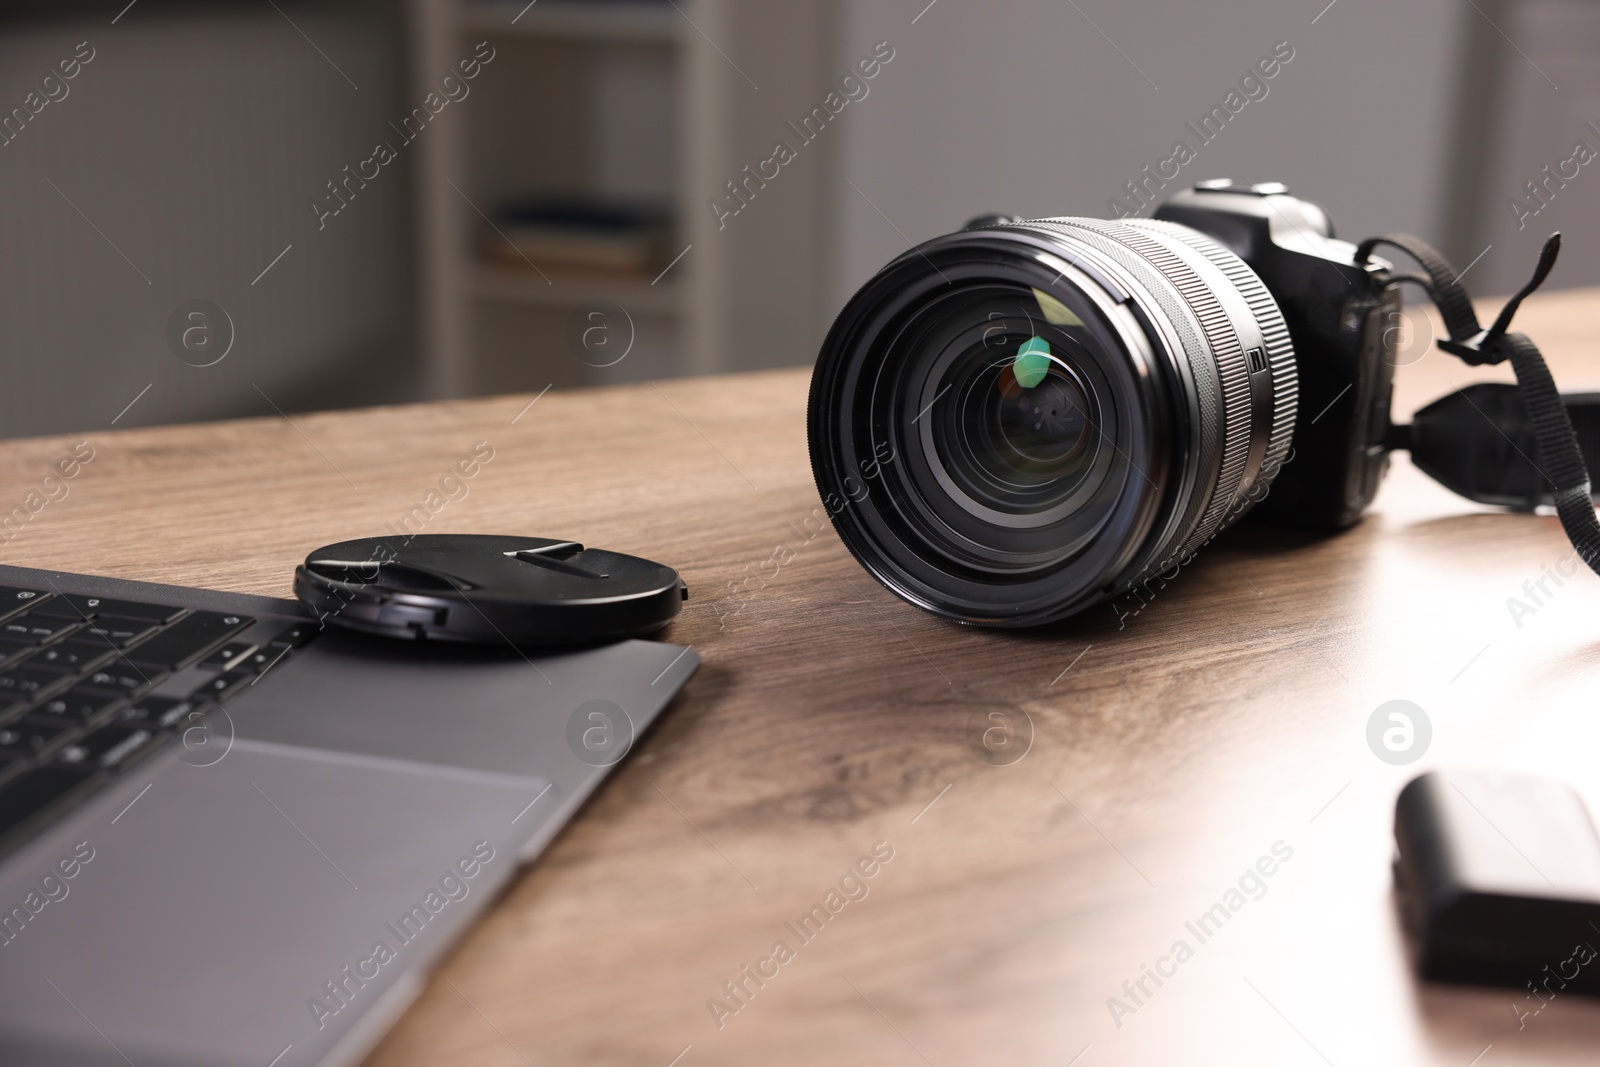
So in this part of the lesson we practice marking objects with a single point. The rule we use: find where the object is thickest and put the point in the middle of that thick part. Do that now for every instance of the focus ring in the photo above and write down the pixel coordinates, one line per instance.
(1232, 368)
(1206, 510)
(1274, 334)
(1176, 312)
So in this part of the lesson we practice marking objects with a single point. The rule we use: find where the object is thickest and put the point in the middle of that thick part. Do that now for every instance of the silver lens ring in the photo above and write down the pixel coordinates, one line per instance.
(1278, 351)
(1238, 355)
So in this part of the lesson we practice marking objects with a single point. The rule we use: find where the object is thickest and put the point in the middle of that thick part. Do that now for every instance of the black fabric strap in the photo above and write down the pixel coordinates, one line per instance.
(1560, 459)
(1479, 441)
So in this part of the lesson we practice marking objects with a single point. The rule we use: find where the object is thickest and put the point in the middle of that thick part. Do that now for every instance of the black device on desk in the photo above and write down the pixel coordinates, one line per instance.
(231, 837)
(1499, 881)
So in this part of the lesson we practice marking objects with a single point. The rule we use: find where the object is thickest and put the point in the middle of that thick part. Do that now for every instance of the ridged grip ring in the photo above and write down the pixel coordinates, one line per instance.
(1219, 365)
(1274, 333)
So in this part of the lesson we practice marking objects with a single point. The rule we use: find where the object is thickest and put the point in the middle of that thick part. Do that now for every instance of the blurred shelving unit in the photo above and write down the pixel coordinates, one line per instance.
(640, 100)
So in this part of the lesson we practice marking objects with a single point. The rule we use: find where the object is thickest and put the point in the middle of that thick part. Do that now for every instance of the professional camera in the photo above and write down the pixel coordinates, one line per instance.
(1011, 423)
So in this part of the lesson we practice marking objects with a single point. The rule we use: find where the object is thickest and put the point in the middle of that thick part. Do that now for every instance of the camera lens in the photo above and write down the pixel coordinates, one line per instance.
(1017, 426)
(1008, 463)
(1024, 433)
(1011, 423)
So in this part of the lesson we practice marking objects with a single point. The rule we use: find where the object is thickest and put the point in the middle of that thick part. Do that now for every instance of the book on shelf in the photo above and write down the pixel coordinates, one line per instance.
(579, 235)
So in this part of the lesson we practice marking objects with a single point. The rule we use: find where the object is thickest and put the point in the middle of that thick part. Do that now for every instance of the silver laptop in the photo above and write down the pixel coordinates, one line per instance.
(229, 837)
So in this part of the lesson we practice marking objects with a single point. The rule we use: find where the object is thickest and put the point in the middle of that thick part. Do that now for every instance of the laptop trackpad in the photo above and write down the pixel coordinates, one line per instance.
(250, 909)
(492, 709)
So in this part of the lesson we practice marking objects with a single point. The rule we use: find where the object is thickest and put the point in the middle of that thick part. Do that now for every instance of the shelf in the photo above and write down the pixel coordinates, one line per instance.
(636, 297)
(601, 20)
(614, 97)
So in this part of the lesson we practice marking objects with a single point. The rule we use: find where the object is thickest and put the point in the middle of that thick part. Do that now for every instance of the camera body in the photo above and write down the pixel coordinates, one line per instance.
(1344, 327)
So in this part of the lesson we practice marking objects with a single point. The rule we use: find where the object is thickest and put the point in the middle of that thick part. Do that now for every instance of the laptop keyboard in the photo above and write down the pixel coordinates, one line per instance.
(76, 674)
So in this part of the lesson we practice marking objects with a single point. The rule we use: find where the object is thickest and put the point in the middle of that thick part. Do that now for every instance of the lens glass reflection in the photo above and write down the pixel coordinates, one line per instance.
(1014, 417)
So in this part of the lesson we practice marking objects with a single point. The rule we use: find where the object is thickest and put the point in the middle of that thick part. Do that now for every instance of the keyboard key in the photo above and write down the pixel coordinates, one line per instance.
(228, 656)
(124, 677)
(38, 630)
(297, 635)
(31, 683)
(39, 789)
(13, 600)
(223, 685)
(73, 606)
(78, 655)
(34, 737)
(78, 706)
(264, 659)
(110, 746)
(161, 713)
(192, 637)
(11, 650)
(117, 631)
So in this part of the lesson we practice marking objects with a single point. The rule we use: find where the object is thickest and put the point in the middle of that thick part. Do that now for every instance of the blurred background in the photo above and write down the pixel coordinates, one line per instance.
(218, 209)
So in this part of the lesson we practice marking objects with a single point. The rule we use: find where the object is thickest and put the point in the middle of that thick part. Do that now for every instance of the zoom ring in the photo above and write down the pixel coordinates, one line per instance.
(1176, 312)
(1232, 368)
(1274, 334)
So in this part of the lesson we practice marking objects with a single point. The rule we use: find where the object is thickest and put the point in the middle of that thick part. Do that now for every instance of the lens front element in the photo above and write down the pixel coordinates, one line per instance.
(1041, 411)
(1015, 427)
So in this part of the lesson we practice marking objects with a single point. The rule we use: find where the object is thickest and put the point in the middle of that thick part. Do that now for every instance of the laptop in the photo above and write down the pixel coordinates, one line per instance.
(230, 837)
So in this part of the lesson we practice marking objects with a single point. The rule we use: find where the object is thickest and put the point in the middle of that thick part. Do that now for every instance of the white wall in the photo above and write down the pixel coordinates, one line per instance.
(196, 140)
(1544, 99)
(1022, 106)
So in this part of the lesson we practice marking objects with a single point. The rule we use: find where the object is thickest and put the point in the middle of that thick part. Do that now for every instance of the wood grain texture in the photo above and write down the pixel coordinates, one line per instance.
(1166, 757)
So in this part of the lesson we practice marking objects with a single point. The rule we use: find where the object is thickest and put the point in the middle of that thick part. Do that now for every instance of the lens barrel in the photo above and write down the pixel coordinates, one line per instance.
(1011, 423)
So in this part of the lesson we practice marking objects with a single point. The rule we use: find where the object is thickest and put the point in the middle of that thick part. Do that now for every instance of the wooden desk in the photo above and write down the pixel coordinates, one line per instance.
(1167, 756)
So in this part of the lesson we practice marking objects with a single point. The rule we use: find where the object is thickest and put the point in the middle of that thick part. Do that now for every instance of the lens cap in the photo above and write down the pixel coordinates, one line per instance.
(488, 589)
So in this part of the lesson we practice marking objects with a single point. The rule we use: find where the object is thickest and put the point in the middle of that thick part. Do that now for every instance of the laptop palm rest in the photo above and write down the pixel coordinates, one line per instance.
(278, 895)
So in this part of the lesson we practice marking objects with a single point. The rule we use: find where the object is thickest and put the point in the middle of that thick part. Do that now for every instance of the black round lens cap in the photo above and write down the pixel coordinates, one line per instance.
(488, 589)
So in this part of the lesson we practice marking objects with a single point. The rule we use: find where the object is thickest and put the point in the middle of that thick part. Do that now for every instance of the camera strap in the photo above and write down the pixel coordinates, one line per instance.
(1447, 442)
